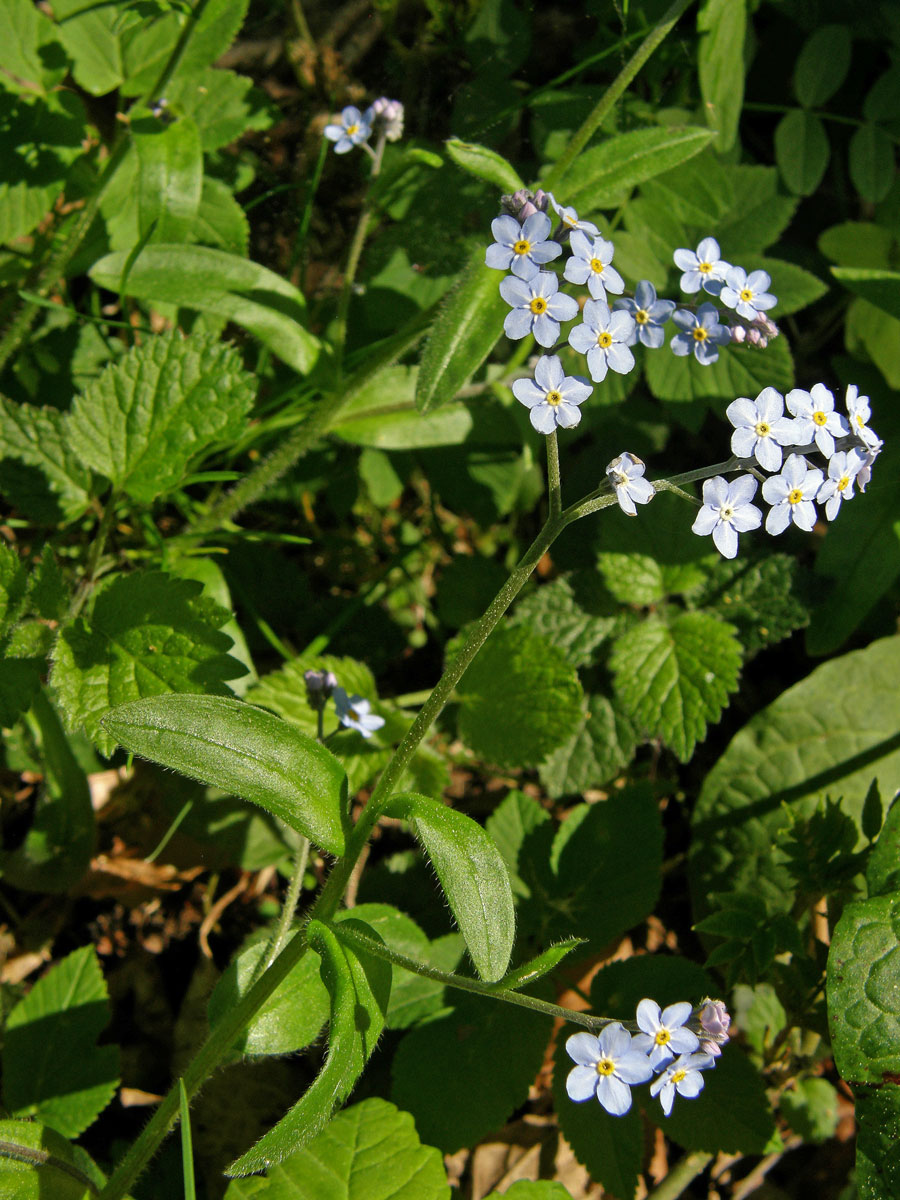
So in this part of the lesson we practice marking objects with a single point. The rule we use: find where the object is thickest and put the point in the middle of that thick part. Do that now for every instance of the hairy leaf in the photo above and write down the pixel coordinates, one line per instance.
(484, 163)
(601, 174)
(722, 26)
(37, 1162)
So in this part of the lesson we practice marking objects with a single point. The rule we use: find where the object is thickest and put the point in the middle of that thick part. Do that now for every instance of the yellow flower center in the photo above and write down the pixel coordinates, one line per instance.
(699, 334)
(762, 429)
(642, 316)
(663, 1037)
(522, 246)
(538, 305)
(352, 714)
(679, 1075)
(604, 339)
(843, 482)
(820, 418)
(860, 422)
(605, 1066)
(795, 495)
(596, 266)
(704, 267)
(553, 398)
(351, 129)
(746, 294)
(726, 512)
(570, 221)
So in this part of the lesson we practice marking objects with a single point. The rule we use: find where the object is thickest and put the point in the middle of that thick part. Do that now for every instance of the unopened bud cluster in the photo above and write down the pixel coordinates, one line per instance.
(352, 711)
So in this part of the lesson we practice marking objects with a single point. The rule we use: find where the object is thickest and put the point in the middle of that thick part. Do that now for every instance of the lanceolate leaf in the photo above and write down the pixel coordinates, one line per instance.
(472, 874)
(469, 326)
(484, 163)
(359, 990)
(245, 751)
(720, 63)
(170, 179)
(604, 172)
(879, 287)
(37, 1162)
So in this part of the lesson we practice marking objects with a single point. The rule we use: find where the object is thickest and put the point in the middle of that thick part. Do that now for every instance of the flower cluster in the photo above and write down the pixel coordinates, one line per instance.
(609, 1066)
(526, 244)
(353, 711)
(762, 431)
(383, 117)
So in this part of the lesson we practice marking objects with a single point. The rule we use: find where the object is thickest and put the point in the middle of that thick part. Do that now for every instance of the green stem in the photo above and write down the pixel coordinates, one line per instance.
(681, 1176)
(553, 479)
(289, 907)
(98, 545)
(606, 102)
(356, 249)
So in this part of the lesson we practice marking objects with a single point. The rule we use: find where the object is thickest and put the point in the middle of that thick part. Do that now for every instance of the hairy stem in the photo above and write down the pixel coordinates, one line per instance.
(553, 478)
(681, 1176)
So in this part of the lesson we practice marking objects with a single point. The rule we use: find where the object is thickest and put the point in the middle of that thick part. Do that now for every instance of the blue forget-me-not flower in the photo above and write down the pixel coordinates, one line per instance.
(700, 333)
(625, 473)
(727, 511)
(522, 249)
(843, 468)
(791, 495)
(650, 315)
(608, 1067)
(747, 294)
(816, 418)
(353, 712)
(761, 428)
(663, 1034)
(538, 306)
(552, 396)
(703, 267)
(603, 337)
(590, 264)
(682, 1076)
(352, 129)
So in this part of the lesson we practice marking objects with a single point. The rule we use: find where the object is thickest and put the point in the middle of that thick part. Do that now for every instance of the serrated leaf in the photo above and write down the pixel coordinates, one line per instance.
(38, 437)
(739, 371)
(40, 139)
(722, 27)
(472, 875)
(883, 867)
(151, 413)
(244, 751)
(822, 64)
(13, 586)
(359, 988)
(602, 173)
(519, 699)
(573, 611)
(871, 162)
(90, 34)
(52, 1067)
(371, 1149)
(467, 328)
(223, 104)
(863, 990)
(252, 296)
(673, 679)
(642, 579)
(828, 735)
(482, 1058)
(147, 46)
(877, 1166)
(37, 1162)
(811, 1109)
(146, 635)
(484, 163)
(766, 598)
(802, 151)
(599, 749)
(31, 59)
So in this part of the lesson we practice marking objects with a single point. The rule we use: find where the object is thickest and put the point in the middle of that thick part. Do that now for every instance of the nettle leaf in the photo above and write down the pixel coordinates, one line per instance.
(574, 612)
(601, 174)
(739, 371)
(52, 1067)
(673, 678)
(465, 1071)
(766, 599)
(31, 59)
(877, 1165)
(467, 328)
(359, 987)
(802, 151)
(245, 752)
(472, 875)
(40, 139)
(519, 699)
(371, 1149)
(146, 47)
(863, 990)
(600, 748)
(154, 411)
(37, 1162)
(90, 34)
(252, 296)
(170, 178)
(883, 867)
(39, 438)
(147, 634)
(828, 735)
(484, 163)
(223, 105)
(722, 26)
(13, 586)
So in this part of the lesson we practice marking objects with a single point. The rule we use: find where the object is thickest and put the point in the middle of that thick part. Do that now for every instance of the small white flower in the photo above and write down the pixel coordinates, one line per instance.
(816, 418)
(352, 129)
(353, 712)
(843, 468)
(625, 474)
(608, 1067)
(538, 306)
(570, 219)
(702, 267)
(683, 1077)
(604, 338)
(791, 495)
(663, 1034)
(747, 293)
(590, 263)
(760, 428)
(865, 473)
(552, 396)
(523, 249)
(727, 511)
(859, 412)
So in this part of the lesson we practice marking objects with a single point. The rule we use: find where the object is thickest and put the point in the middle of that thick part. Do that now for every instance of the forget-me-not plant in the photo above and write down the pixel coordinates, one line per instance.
(603, 337)
(552, 396)
(760, 428)
(538, 306)
(701, 333)
(590, 263)
(649, 313)
(608, 1067)
(727, 511)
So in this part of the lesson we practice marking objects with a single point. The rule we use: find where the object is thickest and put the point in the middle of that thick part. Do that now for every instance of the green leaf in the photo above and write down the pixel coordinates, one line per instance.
(467, 328)
(871, 162)
(170, 178)
(246, 752)
(252, 296)
(811, 1109)
(481, 1057)
(222, 104)
(722, 26)
(146, 47)
(52, 1068)
(857, 244)
(883, 867)
(90, 34)
(794, 287)
(574, 612)
(370, 1150)
(618, 987)
(32, 61)
(147, 634)
(759, 214)
(879, 287)
(600, 175)
(359, 989)
(828, 735)
(883, 97)
(527, 1190)
(877, 1167)
(39, 438)
(13, 586)
(20, 679)
(674, 678)
(220, 220)
(540, 965)
(766, 599)
(519, 699)
(739, 371)
(822, 64)
(383, 414)
(863, 991)
(36, 1163)
(151, 413)
(472, 875)
(40, 139)
(484, 163)
(801, 151)
(511, 825)
(602, 746)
